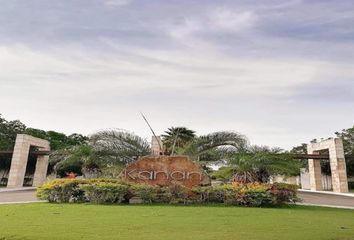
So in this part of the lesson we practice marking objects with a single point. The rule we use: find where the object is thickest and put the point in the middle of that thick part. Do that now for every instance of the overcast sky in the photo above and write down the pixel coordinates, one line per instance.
(280, 72)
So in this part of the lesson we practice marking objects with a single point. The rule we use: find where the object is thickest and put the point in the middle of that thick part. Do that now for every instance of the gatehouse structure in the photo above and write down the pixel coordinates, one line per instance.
(337, 163)
(20, 158)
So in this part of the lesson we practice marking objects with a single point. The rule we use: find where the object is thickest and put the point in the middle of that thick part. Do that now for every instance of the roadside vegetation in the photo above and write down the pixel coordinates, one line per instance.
(105, 153)
(114, 191)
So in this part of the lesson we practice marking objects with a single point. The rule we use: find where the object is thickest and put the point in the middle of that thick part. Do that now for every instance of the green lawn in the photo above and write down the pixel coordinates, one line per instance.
(133, 222)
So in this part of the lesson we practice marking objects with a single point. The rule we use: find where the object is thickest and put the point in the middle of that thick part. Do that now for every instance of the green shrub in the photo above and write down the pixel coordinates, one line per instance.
(179, 193)
(147, 193)
(117, 191)
(257, 198)
(105, 192)
(213, 194)
(285, 193)
(251, 194)
(69, 190)
(176, 193)
(61, 191)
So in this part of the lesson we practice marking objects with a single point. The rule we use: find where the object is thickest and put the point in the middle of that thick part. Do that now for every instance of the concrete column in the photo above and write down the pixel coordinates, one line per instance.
(315, 175)
(19, 162)
(338, 166)
(40, 173)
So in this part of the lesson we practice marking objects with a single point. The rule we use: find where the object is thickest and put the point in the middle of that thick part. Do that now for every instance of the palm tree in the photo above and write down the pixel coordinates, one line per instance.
(257, 164)
(106, 148)
(214, 146)
(78, 159)
(177, 137)
(119, 146)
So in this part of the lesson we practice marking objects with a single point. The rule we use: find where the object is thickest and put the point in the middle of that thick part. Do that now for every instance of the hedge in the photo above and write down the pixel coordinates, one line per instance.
(114, 191)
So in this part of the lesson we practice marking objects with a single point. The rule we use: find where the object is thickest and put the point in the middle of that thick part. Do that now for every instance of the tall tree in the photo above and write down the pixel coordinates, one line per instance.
(347, 136)
(8, 132)
(348, 142)
(78, 159)
(58, 140)
(177, 137)
(10, 129)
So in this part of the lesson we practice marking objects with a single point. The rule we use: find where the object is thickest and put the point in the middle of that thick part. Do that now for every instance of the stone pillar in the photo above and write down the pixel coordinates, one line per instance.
(337, 163)
(338, 166)
(40, 173)
(315, 175)
(18, 162)
(20, 158)
(155, 145)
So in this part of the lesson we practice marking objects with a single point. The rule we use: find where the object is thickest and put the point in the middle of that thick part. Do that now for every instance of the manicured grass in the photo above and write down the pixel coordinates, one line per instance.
(135, 222)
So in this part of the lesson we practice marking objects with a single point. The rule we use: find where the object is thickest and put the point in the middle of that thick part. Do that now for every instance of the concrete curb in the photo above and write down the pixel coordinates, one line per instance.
(324, 205)
(26, 202)
(17, 189)
(329, 193)
(300, 204)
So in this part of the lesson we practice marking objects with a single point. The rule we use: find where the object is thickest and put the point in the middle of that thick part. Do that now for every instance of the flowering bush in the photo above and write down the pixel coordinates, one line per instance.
(250, 194)
(73, 190)
(116, 191)
(67, 190)
(285, 192)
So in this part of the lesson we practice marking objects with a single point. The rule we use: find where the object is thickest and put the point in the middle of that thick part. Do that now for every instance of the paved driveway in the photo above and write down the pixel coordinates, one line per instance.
(326, 199)
(18, 196)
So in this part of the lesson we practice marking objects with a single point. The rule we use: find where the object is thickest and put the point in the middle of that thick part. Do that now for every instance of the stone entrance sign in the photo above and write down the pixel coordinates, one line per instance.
(165, 170)
(20, 158)
(337, 163)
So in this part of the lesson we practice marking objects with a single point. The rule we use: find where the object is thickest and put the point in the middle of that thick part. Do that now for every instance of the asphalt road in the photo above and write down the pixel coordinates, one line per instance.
(326, 199)
(18, 196)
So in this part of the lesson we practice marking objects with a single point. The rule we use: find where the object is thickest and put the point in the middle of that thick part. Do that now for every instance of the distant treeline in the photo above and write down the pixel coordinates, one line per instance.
(9, 130)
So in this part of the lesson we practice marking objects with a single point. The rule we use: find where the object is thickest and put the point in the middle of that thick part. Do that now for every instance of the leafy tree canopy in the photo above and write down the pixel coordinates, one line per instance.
(348, 140)
(9, 130)
(259, 163)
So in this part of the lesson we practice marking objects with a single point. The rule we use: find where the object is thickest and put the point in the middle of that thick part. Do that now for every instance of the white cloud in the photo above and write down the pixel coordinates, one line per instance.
(234, 66)
(218, 20)
(188, 27)
(148, 69)
(222, 19)
(116, 3)
(204, 90)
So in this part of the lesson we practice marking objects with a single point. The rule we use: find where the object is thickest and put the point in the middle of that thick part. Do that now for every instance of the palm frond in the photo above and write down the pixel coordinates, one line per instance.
(120, 145)
(221, 143)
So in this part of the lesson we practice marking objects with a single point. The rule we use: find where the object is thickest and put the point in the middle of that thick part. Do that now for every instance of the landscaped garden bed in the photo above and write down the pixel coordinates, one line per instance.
(115, 191)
